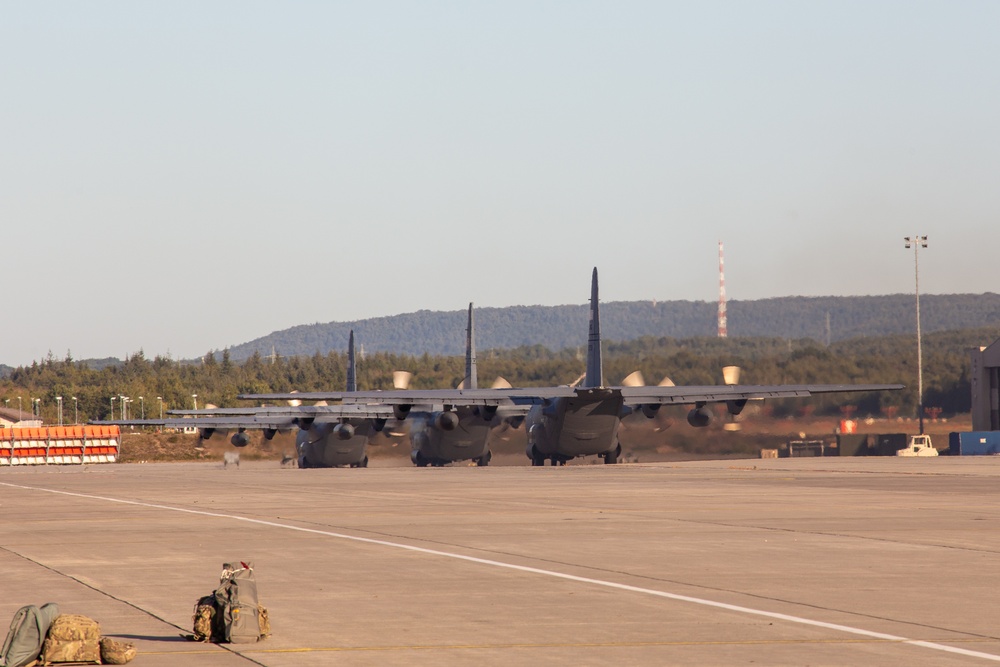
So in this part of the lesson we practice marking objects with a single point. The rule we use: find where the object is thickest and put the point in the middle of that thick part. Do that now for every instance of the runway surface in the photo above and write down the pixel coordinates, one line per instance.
(775, 562)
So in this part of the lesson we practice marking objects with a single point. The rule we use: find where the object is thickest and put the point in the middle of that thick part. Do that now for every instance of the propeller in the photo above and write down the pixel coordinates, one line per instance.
(731, 376)
(401, 379)
(501, 383)
(634, 379)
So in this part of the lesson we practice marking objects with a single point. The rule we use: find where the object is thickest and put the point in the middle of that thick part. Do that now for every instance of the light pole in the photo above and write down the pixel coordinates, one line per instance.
(194, 397)
(76, 411)
(20, 417)
(160, 399)
(918, 242)
(124, 406)
(113, 408)
(38, 407)
(59, 409)
(142, 408)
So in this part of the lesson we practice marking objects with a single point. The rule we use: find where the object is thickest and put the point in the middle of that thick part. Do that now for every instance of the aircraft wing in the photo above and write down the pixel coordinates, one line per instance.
(327, 413)
(532, 395)
(216, 412)
(525, 396)
(736, 392)
(202, 422)
(334, 412)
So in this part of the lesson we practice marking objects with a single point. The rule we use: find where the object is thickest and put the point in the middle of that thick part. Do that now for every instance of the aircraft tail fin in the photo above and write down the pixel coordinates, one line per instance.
(470, 381)
(352, 368)
(595, 373)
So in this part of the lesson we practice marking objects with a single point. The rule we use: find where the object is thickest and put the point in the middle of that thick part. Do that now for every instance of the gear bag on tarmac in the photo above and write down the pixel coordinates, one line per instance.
(114, 652)
(236, 602)
(72, 638)
(27, 633)
(232, 613)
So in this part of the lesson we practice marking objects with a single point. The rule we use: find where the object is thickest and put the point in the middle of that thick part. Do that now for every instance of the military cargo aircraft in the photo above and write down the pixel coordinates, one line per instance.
(328, 435)
(573, 421)
(441, 434)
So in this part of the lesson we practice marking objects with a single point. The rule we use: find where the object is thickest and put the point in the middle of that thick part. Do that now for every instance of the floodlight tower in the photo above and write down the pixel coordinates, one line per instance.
(722, 294)
(918, 242)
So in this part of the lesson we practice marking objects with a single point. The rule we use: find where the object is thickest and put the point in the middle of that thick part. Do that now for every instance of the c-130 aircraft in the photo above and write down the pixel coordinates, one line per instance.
(567, 422)
(327, 436)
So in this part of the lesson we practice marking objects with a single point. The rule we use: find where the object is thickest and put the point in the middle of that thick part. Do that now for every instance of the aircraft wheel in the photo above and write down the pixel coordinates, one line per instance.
(364, 463)
(303, 462)
(484, 460)
(419, 460)
(612, 456)
(536, 458)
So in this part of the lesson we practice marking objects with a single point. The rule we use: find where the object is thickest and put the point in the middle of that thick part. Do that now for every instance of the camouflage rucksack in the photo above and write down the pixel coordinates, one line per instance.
(72, 638)
(205, 627)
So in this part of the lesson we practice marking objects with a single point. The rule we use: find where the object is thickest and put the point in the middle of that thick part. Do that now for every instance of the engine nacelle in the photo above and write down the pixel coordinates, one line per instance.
(699, 417)
(446, 421)
(343, 431)
(649, 410)
(206, 433)
(241, 439)
(304, 423)
(269, 433)
(401, 411)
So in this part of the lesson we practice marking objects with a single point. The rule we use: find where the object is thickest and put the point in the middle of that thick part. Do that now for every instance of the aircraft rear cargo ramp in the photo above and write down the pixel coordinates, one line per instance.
(59, 445)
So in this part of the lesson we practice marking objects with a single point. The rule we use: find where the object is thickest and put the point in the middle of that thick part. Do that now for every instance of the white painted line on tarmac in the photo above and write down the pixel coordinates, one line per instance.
(548, 573)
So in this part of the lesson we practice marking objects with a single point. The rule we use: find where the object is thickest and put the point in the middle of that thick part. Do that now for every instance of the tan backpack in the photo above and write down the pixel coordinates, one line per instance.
(72, 638)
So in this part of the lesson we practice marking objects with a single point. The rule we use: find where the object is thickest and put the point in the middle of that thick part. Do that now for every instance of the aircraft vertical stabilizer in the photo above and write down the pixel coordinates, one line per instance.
(595, 373)
(471, 381)
(352, 369)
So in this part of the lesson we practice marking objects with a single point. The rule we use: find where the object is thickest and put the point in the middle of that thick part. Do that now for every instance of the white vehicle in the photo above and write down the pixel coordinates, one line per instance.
(920, 445)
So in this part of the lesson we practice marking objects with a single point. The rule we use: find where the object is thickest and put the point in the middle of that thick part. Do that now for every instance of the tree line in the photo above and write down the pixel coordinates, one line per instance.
(217, 379)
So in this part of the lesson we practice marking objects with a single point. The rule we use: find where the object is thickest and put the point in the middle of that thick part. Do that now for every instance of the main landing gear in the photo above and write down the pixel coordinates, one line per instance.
(612, 456)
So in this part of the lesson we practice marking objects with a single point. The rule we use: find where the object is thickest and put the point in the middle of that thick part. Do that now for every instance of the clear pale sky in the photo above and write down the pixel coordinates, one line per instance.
(179, 177)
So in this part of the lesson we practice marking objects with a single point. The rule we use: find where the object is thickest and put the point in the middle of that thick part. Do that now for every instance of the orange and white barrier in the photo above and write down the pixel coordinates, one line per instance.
(47, 445)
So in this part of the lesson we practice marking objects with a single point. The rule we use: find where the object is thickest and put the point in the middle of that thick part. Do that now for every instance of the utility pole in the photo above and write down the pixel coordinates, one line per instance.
(918, 242)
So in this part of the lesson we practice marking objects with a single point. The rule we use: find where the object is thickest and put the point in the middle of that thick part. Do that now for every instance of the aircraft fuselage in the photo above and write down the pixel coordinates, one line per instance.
(467, 440)
(320, 446)
(587, 424)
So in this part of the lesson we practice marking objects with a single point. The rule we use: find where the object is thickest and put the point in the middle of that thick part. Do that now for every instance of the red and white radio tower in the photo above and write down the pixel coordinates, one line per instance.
(722, 294)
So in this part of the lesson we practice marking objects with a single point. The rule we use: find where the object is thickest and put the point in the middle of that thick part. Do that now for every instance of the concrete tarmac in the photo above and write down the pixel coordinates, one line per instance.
(860, 561)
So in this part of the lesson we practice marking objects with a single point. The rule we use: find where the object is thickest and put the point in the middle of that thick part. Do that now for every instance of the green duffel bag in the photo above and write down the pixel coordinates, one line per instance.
(27, 632)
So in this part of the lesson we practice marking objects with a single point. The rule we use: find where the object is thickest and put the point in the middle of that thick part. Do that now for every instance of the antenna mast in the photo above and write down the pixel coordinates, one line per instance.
(722, 294)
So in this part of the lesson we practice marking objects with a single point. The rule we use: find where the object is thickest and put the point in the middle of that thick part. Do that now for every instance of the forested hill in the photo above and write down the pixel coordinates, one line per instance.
(560, 327)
